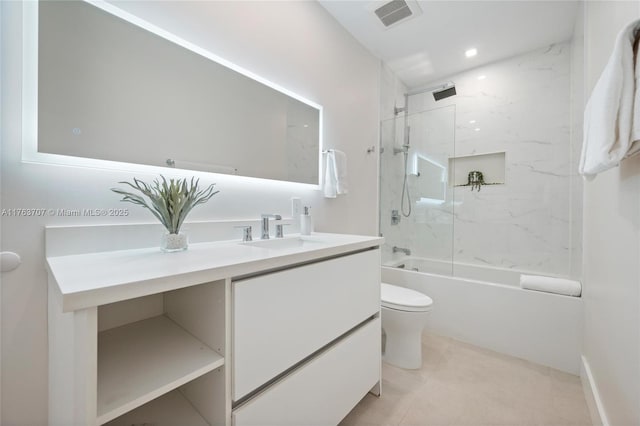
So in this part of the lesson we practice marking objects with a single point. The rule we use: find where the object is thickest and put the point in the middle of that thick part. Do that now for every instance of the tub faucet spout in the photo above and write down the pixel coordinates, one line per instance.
(397, 249)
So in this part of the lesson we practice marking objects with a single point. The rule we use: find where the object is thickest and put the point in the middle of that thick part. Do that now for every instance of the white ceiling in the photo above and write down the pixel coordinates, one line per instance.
(431, 46)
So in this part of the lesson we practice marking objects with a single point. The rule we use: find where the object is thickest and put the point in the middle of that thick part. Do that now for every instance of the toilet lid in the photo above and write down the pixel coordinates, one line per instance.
(404, 299)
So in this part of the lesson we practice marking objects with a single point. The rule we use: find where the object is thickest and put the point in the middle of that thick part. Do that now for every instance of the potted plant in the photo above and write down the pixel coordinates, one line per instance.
(169, 201)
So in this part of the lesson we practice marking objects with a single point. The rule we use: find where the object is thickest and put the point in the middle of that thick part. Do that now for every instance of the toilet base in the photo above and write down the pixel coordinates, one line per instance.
(404, 351)
(403, 343)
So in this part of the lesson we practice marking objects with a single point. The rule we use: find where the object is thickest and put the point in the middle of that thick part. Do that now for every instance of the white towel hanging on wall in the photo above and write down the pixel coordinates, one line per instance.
(335, 176)
(612, 114)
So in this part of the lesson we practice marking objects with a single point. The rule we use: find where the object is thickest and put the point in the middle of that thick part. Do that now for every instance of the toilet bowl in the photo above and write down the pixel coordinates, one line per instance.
(404, 315)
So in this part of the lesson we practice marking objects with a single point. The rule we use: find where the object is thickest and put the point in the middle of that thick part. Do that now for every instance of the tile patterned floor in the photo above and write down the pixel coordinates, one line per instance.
(460, 384)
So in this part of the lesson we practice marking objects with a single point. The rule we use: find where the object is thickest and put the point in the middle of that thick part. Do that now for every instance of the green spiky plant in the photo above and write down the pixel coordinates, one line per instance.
(170, 201)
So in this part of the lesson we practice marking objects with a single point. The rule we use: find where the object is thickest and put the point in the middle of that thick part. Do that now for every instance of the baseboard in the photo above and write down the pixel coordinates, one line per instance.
(591, 394)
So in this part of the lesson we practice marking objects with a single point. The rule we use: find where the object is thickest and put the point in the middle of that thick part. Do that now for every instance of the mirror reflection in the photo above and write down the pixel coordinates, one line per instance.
(110, 90)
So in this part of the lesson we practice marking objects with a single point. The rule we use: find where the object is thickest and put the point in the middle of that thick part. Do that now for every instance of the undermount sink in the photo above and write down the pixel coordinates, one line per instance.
(283, 243)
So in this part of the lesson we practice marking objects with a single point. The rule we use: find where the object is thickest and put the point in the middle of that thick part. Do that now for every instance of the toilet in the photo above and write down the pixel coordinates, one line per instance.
(404, 315)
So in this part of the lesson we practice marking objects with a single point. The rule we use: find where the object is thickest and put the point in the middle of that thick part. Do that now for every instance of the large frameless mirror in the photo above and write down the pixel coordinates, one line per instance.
(109, 89)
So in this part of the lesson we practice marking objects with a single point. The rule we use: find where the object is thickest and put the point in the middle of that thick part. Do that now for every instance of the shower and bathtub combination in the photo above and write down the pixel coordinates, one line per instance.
(466, 245)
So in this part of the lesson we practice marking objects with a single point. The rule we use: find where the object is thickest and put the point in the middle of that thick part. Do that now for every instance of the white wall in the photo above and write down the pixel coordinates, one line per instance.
(392, 92)
(612, 247)
(295, 44)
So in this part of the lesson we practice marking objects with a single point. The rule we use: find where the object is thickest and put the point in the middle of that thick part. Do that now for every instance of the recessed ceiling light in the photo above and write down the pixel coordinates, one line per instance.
(477, 129)
(471, 53)
(472, 121)
(482, 77)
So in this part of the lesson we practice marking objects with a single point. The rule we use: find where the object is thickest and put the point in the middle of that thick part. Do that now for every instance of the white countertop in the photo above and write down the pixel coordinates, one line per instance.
(88, 280)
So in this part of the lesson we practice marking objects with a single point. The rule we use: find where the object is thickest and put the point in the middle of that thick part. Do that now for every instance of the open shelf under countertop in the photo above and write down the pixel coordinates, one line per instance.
(141, 361)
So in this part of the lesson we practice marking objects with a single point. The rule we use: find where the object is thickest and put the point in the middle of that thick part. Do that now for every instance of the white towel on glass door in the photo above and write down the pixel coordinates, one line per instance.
(335, 177)
(551, 285)
(612, 114)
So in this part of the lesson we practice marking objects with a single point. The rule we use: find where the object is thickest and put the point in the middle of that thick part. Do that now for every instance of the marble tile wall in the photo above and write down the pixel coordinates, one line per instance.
(577, 122)
(520, 106)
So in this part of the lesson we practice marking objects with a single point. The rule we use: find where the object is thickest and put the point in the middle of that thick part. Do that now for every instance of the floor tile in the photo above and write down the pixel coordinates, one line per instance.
(460, 384)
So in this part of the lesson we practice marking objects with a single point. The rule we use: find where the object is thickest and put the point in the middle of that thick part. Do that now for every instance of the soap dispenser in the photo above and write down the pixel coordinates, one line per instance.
(306, 225)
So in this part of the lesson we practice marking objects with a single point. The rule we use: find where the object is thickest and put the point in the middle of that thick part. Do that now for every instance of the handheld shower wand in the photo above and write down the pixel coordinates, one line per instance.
(406, 212)
(404, 149)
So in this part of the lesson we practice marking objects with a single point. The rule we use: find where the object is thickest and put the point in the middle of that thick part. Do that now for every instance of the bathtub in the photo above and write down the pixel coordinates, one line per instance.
(486, 307)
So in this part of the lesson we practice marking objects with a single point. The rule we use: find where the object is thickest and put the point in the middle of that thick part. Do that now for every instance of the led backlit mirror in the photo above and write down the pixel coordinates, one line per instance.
(111, 90)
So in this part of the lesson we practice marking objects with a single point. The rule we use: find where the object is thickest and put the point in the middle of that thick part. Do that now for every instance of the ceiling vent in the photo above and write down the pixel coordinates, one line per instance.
(396, 11)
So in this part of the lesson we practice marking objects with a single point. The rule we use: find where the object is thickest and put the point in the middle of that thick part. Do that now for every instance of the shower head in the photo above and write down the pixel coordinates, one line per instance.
(448, 91)
(439, 92)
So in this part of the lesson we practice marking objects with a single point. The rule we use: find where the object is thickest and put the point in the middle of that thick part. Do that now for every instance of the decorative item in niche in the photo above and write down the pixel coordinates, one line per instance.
(170, 202)
(478, 170)
(475, 180)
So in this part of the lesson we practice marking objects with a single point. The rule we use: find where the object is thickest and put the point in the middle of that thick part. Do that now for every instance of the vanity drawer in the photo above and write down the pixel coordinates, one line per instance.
(323, 391)
(281, 318)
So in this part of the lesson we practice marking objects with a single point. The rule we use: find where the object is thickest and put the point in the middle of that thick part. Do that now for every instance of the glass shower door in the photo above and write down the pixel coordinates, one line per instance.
(416, 204)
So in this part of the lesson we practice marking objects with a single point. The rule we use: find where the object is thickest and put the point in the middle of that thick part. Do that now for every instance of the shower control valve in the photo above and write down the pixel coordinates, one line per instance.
(395, 217)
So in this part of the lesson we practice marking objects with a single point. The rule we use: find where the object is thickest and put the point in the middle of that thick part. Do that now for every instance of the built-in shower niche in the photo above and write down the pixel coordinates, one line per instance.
(490, 165)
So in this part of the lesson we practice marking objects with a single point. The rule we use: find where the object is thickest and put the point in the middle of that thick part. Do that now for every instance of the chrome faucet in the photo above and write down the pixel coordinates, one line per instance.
(264, 234)
(280, 229)
(246, 233)
(402, 249)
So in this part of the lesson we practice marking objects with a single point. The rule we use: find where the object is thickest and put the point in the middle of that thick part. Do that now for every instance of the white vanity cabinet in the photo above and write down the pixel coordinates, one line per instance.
(306, 341)
(281, 318)
(324, 389)
(221, 334)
